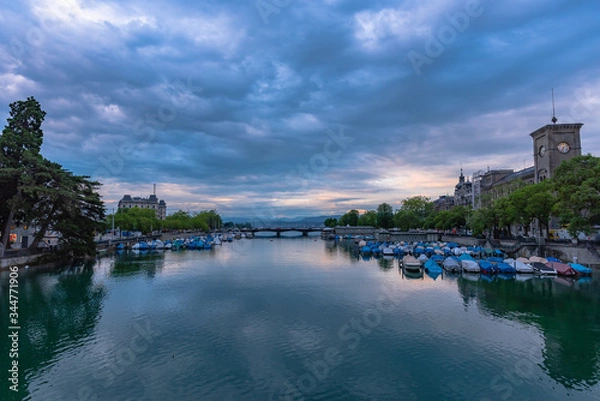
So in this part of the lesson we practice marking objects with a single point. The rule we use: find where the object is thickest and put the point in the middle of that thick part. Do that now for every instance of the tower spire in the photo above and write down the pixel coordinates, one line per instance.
(554, 119)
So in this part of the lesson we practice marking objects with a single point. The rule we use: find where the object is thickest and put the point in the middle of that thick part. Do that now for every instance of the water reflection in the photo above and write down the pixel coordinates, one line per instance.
(133, 263)
(567, 312)
(58, 311)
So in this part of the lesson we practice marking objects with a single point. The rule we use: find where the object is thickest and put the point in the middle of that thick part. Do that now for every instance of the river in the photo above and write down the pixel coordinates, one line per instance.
(295, 319)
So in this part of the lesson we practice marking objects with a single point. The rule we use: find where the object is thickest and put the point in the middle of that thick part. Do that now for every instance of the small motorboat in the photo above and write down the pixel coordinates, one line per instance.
(543, 269)
(411, 263)
(487, 267)
(581, 269)
(562, 269)
(387, 251)
(538, 259)
(452, 264)
(505, 268)
(469, 265)
(520, 266)
(432, 267)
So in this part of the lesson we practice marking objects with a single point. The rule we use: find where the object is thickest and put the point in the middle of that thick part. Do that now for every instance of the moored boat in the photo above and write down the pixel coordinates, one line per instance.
(581, 269)
(451, 264)
(470, 266)
(432, 267)
(520, 266)
(505, 268)
(411, 263)
(487, 267)
(562, 269)
(543, 269)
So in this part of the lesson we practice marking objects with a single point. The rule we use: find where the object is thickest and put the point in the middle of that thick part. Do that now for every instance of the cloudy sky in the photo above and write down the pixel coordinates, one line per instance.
(292, 108)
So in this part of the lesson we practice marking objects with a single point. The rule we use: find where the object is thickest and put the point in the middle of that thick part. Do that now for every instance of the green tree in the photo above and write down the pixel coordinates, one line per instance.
(414, 213)
(137, 219)
(368, 218)
(385, 216)
(406, 219)
(542, 203)
(421, 206)
(350, 218)
(79, 215)
(58, 195)
(505, 213)
(20, 146)
(40, 193)
(577, 186)
(478, 222)
(211, 218)
(330, 222)
(519, 201)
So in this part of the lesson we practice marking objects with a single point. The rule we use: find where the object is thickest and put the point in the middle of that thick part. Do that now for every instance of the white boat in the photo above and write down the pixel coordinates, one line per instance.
(520, 266)
(411, 263)
(451, 264)
(387, 251)
(538, 259)
(469, 266)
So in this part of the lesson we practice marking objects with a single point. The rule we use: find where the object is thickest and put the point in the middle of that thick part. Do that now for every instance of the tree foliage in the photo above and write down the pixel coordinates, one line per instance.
(385, 216)
(368, 218)
(350, 218)
(577, 186)
(204, 221)
(40, 193)
(330, 222)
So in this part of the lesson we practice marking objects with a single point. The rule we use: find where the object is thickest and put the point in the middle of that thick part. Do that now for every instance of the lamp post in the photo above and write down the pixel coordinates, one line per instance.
(113, 223)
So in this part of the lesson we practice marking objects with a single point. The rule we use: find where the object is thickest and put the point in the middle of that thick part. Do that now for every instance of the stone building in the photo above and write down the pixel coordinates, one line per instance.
(444, 202)
(463, 191)
(553, 144)
(152, 202)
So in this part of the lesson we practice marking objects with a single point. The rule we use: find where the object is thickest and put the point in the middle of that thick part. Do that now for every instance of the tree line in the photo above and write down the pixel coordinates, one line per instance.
(145, 220)
(571, 195)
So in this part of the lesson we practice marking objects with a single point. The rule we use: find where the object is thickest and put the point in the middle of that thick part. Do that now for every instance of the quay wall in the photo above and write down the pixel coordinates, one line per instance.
(5, 263)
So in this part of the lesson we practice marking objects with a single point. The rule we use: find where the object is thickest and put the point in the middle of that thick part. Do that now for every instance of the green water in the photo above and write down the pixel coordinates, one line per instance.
(296, 319)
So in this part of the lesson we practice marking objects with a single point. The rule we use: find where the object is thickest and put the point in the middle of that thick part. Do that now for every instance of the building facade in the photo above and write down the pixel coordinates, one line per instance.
(444, 202)
(463, 191)
(553, 144)
(152, 202)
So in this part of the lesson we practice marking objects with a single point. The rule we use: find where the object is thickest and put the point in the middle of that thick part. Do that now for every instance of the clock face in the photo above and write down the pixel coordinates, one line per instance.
(563, 147)
(542, 151)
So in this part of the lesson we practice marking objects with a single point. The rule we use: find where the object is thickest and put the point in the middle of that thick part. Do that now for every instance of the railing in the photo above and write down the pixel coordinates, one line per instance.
(592, 250)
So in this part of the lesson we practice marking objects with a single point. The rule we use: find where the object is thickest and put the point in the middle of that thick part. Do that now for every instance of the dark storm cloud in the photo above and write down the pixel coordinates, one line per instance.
(297, 107)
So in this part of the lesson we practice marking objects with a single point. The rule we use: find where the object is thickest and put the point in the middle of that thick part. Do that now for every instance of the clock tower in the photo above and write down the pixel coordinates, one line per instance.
(553, 144)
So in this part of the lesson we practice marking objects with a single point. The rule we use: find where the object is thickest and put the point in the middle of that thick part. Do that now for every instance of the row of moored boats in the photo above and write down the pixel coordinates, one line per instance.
(192, 242)
(433, 257)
